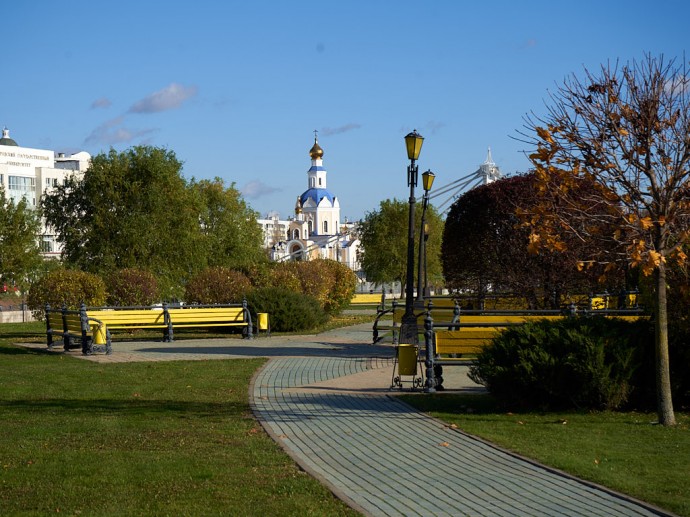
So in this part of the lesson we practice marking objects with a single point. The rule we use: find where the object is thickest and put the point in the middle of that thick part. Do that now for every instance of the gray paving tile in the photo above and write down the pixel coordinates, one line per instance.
(388, 459)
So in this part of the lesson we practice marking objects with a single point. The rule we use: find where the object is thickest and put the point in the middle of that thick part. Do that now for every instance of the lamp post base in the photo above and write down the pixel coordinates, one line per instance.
(409, 330)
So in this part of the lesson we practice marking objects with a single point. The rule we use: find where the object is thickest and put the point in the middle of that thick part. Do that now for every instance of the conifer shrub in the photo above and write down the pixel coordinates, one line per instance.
(572, 363)
(132, 286)
(65, 287)
(288, 311)
(217, 285)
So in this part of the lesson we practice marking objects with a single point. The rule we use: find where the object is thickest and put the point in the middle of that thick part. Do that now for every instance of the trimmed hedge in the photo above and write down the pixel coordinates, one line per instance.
(287, 310)
(65, 287)
(131, 286)
(217, 285)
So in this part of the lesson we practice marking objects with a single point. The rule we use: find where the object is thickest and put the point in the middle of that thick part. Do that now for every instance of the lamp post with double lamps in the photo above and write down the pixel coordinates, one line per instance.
(427, 182)
(408, 327)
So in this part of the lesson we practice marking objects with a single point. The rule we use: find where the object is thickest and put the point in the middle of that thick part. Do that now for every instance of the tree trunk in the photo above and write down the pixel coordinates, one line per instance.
(663, 377)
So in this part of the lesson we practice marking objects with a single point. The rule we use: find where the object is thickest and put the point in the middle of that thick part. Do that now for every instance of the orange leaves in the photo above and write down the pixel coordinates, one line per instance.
(646, 223)
(544, 134)
(654, 259)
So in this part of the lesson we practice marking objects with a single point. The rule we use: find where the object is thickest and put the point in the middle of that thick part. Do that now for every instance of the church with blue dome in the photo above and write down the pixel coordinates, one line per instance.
(315, 231)
(317, 207)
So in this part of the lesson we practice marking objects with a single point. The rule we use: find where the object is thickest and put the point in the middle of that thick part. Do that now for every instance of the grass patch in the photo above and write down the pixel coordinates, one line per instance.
(162, 438)
(624, 451)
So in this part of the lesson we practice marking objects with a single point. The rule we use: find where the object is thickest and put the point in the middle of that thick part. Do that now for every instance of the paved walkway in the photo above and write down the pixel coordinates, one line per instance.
(326, 400)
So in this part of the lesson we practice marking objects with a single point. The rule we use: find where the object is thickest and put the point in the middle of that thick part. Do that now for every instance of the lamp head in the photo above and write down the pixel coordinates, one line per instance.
(413, 142)
(428, 180)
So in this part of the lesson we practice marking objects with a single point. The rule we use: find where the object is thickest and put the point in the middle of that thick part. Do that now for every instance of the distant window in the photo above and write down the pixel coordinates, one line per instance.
(295, 234)
(22, 187)
(319, 182)
(47, 244)
(325, 227)
(311, 226)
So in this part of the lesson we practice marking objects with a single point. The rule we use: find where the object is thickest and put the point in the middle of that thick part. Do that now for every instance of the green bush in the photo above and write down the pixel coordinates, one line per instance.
(217, 285)
(131, 286)
(284, 276)
(332, 284)
(288, 311)
(343, 287)
(65, 287)
(575, 362)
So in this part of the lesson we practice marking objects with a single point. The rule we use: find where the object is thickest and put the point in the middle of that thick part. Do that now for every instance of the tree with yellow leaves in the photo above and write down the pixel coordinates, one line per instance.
(626, 128)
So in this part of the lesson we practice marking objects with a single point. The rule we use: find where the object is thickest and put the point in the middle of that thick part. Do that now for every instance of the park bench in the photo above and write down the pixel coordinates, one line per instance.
(459, 341)
(389, 320)
(92, 326)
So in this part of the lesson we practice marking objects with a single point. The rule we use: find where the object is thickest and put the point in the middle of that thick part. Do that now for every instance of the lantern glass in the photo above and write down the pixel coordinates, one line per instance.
(413, 142)
(428, 180)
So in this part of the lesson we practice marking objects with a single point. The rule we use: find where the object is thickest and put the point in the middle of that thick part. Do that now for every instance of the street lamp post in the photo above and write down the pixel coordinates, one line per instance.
(427, 182)
(408, 327)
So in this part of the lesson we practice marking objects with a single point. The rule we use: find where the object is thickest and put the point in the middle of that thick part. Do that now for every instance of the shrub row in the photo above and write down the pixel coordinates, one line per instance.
(297, 295)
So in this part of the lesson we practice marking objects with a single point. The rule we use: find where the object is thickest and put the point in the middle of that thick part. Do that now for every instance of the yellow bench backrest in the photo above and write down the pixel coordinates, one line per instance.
(73, 322)
(206, 315)
(129, 317)
(366, 298)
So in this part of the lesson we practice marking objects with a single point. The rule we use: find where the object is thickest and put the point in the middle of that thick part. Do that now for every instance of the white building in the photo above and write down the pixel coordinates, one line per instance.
(28, 173)
(316, 230)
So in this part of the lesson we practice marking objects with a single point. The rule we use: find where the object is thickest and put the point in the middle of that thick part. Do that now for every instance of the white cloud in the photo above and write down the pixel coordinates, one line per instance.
(168, 98)
(103, 102)
(256, 189)
(113, 132)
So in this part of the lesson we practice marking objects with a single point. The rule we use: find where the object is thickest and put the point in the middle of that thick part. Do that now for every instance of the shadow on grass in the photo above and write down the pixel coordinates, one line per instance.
(476, 403)
(129, 407)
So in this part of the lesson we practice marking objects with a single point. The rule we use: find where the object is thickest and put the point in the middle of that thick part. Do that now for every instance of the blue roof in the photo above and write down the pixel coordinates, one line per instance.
(315, 168)
(317, 194)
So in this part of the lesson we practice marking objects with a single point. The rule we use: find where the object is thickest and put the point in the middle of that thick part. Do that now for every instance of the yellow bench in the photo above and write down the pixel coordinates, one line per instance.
(92, 326)
(474, 332)
(468, 336)
(389, 320)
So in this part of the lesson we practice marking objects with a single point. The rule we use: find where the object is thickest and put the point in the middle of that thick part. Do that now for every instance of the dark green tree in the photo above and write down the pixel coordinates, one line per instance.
(486, 247)
(383, 236)
(231, 236)
(131, 209)
(20, 228)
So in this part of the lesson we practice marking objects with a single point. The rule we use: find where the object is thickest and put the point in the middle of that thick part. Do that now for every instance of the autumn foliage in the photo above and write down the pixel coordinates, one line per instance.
(627, 130)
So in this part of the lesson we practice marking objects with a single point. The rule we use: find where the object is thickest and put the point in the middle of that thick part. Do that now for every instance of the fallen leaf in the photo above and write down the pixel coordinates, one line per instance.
(444, 444)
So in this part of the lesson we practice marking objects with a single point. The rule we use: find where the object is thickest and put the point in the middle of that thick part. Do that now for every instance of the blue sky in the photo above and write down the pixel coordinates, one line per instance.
(236, 89)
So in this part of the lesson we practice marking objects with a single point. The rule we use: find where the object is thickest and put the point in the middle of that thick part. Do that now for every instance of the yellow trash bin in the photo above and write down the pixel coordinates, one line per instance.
(263, 321)
(407, 360)
(98, 334)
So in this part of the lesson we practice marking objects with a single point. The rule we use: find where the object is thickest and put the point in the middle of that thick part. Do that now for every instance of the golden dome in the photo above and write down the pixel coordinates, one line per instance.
(316, 152)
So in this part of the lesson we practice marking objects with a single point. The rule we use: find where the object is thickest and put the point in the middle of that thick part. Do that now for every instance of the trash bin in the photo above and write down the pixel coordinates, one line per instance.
(407, 360)
(263, 321)
(98, 334)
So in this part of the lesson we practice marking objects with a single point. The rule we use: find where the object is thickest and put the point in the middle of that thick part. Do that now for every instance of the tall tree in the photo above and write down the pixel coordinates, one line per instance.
(130, 209)
(383, 236)
(20, 228)
(626, 128)
(485, 247)
(231, 235)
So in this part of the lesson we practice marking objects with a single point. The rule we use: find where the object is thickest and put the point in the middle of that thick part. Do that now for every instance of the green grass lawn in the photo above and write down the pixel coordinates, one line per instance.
(178, 438)
(625, 451)
(173, 438)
